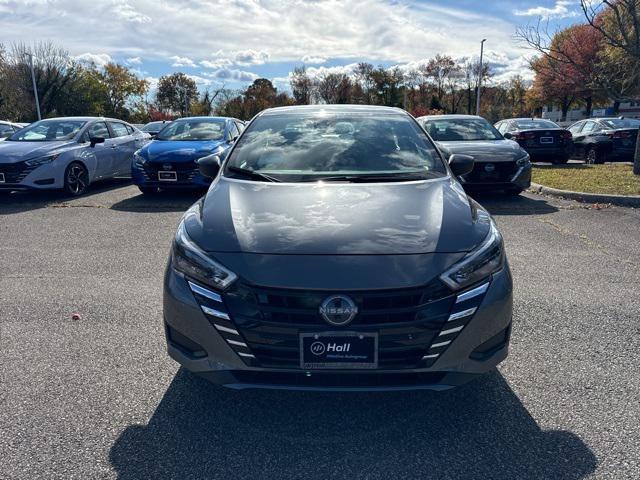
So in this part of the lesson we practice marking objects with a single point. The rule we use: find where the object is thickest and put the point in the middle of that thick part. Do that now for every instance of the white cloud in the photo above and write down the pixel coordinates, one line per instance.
(250, 57)
(562, 9)
(216, 63)
(125, 11)
(134, 61)
(313, 59)
(100, 59)
(182, 62)
(232, 74)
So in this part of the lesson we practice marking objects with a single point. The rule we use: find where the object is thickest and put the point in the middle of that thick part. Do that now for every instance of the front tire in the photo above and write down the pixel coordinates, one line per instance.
(76, 179)
(594, 157)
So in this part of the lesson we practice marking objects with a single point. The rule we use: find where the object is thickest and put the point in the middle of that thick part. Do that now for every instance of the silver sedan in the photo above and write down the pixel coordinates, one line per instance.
(68, 153)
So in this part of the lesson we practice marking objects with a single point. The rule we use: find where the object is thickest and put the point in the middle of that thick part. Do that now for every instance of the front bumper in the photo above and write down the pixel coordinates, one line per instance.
(449, 360)
(20, 177)
(512, 177)
(188, 177)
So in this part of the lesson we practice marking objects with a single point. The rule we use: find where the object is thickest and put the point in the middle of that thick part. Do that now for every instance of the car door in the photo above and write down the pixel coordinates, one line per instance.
(124, 145)
(578, 138)
(102, 151)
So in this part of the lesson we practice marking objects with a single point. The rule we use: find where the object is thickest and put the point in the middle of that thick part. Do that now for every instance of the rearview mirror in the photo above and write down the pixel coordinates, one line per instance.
(507, 135)
(95, 140)
(461, 164)
(209, 166)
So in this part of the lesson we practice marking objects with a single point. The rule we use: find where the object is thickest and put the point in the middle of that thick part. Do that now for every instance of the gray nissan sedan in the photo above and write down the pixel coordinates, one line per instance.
(336, 250)
(500, 164)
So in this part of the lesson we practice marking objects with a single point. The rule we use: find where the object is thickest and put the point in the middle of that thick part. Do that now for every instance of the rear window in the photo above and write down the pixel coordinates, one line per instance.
(622, 123)
(307, 147)
(535, 124)
(461, 129)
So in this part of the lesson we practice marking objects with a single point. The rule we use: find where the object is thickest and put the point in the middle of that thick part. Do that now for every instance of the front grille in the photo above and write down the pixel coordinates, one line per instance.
(186, 171)
(407, 321)
(415, 326)
(15, 172)
(499, 172)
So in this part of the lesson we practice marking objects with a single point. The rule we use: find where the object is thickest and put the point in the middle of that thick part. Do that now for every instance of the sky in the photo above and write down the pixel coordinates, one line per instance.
(231, 42)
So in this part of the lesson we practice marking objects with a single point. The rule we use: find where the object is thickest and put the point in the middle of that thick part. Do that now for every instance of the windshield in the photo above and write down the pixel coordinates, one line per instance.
(48, 131)
(336, 146)
(535, 124)
(461, 129)
(201, 129)
(622, 123)
(153, 127)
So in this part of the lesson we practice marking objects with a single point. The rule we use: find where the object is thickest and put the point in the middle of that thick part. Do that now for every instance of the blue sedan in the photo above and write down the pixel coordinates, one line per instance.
(169, 161)
(68, 153)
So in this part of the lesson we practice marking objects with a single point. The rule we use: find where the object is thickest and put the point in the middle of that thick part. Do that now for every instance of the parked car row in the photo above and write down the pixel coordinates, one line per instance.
(7, 129)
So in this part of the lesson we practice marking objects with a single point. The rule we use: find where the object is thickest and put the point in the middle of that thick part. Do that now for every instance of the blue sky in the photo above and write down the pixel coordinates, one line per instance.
(232, 42)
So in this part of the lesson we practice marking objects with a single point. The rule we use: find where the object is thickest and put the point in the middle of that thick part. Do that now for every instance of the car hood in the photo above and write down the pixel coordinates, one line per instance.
(158, 151)
(485, 151)
(12, 152)
(337, 219)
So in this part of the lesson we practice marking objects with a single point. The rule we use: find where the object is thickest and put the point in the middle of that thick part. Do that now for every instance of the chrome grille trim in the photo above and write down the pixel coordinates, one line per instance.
(248, 355)
(464, 313)
(205, 293)
(227, 330)
(434, 355)
(451, 330)
(472, 293)
(239, 344)
(214, 313)
(441, 344)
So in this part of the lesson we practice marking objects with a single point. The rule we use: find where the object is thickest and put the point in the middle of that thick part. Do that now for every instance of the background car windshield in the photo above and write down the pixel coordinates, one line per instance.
(305, 148)
(468, 129)
(535, 124)
(48, 131)
(153, 127)
(622, 123)
(193, 130)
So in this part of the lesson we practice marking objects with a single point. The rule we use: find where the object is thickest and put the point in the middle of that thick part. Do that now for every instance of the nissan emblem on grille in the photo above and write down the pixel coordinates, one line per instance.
(167, 166)
(338, 309)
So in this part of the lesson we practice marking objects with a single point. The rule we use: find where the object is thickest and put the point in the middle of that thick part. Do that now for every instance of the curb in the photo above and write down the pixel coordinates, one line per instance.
(621, 200)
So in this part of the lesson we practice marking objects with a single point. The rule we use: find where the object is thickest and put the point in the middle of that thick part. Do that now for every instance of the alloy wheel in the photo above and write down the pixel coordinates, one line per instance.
(77, 179)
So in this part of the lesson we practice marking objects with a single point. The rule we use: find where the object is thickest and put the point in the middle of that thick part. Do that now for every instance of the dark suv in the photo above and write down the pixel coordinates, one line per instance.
(335, 249)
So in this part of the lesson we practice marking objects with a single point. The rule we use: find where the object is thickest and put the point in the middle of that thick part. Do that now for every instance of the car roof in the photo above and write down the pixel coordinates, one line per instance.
(87, 119)
(203, 117)
(347, 108)
(452, 116)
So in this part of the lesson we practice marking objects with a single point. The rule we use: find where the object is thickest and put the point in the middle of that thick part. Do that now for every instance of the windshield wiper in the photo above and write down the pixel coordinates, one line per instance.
(398, 177)
(251, 174)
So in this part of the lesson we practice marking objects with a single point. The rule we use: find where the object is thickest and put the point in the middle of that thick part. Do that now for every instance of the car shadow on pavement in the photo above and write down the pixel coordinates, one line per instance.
(480, 430)
(501, 204)
(17, 202)
(171, 201)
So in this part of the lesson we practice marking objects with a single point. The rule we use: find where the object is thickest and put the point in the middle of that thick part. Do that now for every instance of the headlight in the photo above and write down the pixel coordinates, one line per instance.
(36, 162)
(521, 162)
(189, 259)
(138, 159)
(478, 264)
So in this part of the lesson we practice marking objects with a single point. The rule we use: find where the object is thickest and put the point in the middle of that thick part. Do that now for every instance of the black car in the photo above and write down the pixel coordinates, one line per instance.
(542, 139)
(335, 249)
(153, 128)
(605, 139)
(499, 163)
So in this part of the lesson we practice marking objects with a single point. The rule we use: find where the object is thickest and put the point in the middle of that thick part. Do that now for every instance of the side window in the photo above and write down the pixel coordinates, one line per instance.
(119, 129)
(240, 127)
(233, 130)
(575, 128)
(503, 127)
(97, 130)
(5, 131)
(590, 127)
(130, 129)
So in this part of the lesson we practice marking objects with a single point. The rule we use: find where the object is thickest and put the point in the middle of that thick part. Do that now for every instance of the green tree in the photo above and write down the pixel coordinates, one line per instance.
(176, 92)
(122, 87)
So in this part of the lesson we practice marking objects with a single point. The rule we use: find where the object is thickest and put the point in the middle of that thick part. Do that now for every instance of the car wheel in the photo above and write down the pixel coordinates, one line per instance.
(76, 179)
(593, 157)
(148, 190)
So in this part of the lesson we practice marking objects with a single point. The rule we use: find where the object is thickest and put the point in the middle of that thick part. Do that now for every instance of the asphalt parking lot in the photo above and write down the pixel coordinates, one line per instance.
(97, 397)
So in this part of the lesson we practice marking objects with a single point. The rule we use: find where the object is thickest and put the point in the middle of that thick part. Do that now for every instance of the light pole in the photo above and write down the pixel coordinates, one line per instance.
(480, 77)
(35, 88)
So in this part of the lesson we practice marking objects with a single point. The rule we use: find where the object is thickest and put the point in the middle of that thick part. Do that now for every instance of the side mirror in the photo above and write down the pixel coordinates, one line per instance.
(507, 135)
(209, 166)
(460, 164)
(95, 140)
